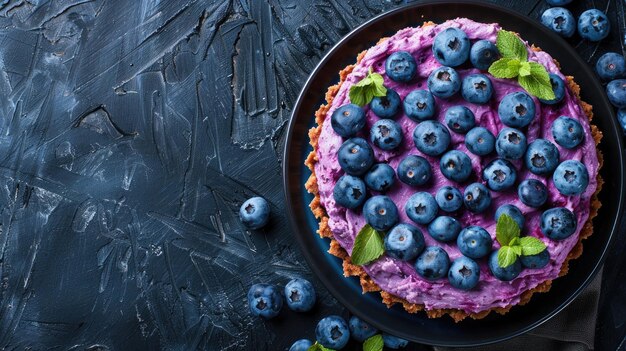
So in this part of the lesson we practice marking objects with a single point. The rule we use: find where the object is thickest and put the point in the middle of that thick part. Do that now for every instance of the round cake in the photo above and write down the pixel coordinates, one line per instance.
(447, 176)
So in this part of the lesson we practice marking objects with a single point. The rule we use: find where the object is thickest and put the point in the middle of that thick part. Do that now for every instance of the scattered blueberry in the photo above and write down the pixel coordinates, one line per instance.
(532, 192)
(404, 242)
(433, 263)
(400, 67)
(567, 132)
(477, 89)
(360, 330)
(456, 165)
(513, 212)
(537, 261)
(444, 228)
(460, 119)
(254, 213)
(558, 2)
(571, 177)
(611, 66)
(483, 53)
(593, 25)
(419, 105)
(511, 143)
(394, 342)
(474, 242)
(431, 137)
(541, 157)
(449, 198)
(347, 120)
(265, 300)
(380, 212)
(505, 274)
(355, 156)
(414, 170)
(616, 91)
(558, 223)
(386, 106)
(444, 82)
(516, 110)
(476, 197)
(480, 141)
(349, 192)
(464, 273)
(560, 20)
(380, 177)
(332, 332)
(499, 174)
(300, 295)
(301, 345)
(558, 87)
(621, 118)
(386, 134)
(451, 47)
(421, 208)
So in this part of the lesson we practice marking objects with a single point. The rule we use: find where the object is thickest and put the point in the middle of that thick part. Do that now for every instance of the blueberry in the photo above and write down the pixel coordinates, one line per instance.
(433, 263)
(567, 132)
(300, 295)
(460, 119)
(558, 2)
(265, 300)
(611, 66)
(386, 106)
(380, 212)
(444, 82)
(400, 67)
(559, 20)
(386, 134)
(254, 213)
(444, 228)
(451, 47)
(360, 330)
(419, 105)
(558, 223)
(558, 87)
(516, 110)
(449, 198)
(532, 192)
(349, 192)
(474, 242)
(480, 141)
(380, 177)
(483, 53)
(616, 91)
(621, 118)
(476, 197)
(541, 157)
(347, 120)
(571, 177)
(593, 25)
(332, 332)
(505, 274)
(513, 212)
(414, 170)
(394, 342)
(301, 345)
(477, 89)
(421, 208)
(456, 165)
(431, 137)
(404, 242)
(499, 174)
(511, 143)
(355, 156)
(537, 261)
(464, 273)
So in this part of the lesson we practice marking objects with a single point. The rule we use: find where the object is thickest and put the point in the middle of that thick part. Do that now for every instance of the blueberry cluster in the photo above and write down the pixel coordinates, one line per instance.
(266, 300)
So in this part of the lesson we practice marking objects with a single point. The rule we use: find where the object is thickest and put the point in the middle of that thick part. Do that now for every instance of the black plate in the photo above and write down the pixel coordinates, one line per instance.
(417, 327)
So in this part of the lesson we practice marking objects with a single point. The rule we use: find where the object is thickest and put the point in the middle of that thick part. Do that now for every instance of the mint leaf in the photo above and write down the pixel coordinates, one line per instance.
(538, 82)
(364, 91)
(357, 95)
(318, 347)
(524, 69)
(531, 246)
(514, 242)
(516, 249)
(511, 46)
(505, 68)
(506, 230)
(368, 246)
(374, 343)
(506, 256)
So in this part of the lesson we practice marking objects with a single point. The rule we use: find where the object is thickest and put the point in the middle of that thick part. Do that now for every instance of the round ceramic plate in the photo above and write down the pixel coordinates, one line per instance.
(418, 327)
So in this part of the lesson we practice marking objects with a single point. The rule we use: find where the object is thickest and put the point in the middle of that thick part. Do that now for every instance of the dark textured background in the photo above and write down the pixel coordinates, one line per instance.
(130, 133)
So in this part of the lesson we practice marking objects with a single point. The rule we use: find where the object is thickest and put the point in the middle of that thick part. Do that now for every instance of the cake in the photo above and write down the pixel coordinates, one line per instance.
(441, 115)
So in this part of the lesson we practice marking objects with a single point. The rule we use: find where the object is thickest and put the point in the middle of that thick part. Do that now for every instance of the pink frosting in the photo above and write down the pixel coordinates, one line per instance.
(400, 278)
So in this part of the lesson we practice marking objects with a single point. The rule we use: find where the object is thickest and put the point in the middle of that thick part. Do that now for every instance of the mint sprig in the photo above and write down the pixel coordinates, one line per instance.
(531, 76)
(368, 246)
(512, 245)
(318, 347)
(364, 91)
(374, 343)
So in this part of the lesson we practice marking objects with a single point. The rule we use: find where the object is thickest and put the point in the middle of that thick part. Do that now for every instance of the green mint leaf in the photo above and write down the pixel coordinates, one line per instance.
(516, 249)
(318, 347)
(505, 68)
(357, 95)
(538, 82)
(506, 256)
(506, 230)
(374, 343)
(524, 69)
(514, 242)
(531, 246)
(368, 246)
(511, 46)
(364, 91)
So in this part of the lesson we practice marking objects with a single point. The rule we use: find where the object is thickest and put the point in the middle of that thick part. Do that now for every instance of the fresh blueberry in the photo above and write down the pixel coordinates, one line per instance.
(476, 197)
(513, 212)
(571, 177)
(451, 47)
(532, 192)
(265, 300)
(558, 223)
(332, 332)
(380, 177)
(301, 345)
(516, 110)
(431, 137)
(558, 87)
(464, 273)
(421, 208)
(414, 170)
(254, 213)
(433, 263)
(349, 192)
(593, 25)
(386, 106)
(567, 132)
(483, 53)
(537, 261)
(559, 20)
(419, 105)
(621, 118)
(380, 212)
(474, 242)
(499, 174)
(611, 66)
(507, 273)
(511, 143)
(386, 134)
(460, 119)
(616, 91)
(558, 2)
(444, 228)
(480, 141)
(444, 82)
(400, 67)
(449, 198)
(347, 120)
(360, 330)
(456, 165)
(404, 242)
(355, 156)
(394, 342)
(477, 89)
(300, 295)
(541, 157)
